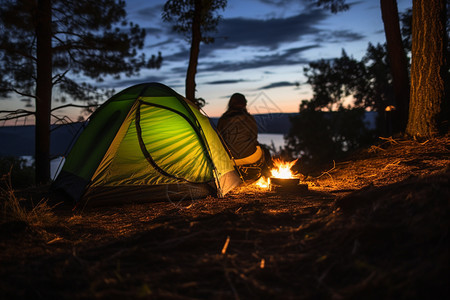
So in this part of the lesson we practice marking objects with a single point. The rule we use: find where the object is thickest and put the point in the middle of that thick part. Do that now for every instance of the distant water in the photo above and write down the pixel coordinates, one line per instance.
(55, 164)
(276, 139)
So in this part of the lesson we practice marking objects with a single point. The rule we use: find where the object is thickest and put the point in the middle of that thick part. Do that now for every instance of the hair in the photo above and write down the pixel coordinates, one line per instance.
(237, 100)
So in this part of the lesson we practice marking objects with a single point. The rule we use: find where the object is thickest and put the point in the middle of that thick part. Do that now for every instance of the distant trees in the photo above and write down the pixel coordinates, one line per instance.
(46, 44)
(327, 128)
(194, 19)
(332, 123)
(317, 137)
(429, 107)
(371, 84)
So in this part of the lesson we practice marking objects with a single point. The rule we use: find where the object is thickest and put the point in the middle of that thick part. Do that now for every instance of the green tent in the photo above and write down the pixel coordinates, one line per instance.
(146, 143)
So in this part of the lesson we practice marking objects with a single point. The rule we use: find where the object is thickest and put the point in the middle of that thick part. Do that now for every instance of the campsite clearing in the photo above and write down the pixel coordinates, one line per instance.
(374, 227)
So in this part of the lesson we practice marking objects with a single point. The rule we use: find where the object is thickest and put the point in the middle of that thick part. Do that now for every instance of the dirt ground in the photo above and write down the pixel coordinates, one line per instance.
(373, 227)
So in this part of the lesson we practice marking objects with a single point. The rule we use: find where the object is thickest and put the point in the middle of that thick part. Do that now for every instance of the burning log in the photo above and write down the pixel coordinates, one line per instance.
(283, 179)
(287, 185)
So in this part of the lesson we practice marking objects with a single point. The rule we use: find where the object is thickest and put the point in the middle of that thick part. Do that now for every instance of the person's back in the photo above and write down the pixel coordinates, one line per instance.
(240, 131)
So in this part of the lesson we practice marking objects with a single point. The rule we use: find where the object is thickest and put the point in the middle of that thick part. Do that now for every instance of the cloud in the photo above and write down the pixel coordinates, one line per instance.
(154, 31)
(278, 84)
(270, 33)
(338, 36)
(273, 33)
(276, 2)
(229, 81)
(132, 81)
(182, 55)
(161, 44)
(147, 12)
(287, 57)
(237, 38)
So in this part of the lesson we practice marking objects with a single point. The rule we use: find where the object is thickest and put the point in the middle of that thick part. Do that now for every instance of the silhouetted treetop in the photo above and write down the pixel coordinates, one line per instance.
(334, 5)
(181, 14)
(90, 38)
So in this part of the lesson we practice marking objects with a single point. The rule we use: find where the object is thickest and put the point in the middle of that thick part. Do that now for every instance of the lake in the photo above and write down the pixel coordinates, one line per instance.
(276, 139)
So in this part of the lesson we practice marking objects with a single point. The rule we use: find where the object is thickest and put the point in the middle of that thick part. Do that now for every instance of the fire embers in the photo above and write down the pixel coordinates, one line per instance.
(283, 179)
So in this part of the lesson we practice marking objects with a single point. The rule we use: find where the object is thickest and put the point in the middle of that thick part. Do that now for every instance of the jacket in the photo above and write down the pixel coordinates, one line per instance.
(240, 132)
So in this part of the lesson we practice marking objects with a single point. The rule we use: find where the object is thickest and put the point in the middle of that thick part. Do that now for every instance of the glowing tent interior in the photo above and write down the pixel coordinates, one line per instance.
(146, 143)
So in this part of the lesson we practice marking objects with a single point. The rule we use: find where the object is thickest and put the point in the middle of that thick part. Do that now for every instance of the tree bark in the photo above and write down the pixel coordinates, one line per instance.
(195, 49)
(428, 69)
(397, 60)
(43, 91)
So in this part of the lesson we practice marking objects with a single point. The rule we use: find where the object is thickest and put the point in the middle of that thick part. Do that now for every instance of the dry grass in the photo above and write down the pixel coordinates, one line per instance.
(13, 208)
(373, 227)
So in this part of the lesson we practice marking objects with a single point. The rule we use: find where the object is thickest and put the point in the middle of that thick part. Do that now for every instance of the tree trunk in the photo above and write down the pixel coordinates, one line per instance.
(195, 49)
(43, 91)
(428, 71)
(397, 60)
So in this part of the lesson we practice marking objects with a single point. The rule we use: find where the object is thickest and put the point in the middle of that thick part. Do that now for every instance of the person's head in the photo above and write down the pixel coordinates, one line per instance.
(237, 101)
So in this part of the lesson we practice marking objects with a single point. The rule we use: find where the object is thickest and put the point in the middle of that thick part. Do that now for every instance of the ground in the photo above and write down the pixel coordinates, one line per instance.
(372, 227)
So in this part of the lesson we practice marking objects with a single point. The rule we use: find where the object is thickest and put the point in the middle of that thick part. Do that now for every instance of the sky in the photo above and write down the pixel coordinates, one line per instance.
(260, 50)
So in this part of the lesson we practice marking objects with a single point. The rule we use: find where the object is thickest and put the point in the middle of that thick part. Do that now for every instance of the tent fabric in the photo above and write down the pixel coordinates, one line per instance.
(147, 143)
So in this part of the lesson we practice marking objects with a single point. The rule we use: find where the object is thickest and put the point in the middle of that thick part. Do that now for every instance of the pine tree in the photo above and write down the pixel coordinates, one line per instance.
(397, 59)
(47, 44)
(194, 19)
(429, 69)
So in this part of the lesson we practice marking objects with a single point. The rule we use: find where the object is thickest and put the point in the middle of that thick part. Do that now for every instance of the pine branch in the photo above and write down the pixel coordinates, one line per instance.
(74, 105)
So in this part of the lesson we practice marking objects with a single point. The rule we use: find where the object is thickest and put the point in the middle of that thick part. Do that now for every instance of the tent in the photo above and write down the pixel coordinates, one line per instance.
(146, 143)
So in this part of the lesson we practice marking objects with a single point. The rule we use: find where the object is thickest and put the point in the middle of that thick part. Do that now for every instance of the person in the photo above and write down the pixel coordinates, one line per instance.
(239, 131)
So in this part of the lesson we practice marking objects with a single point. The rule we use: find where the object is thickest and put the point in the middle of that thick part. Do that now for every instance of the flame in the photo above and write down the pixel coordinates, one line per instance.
(283, 169)
(263, 182)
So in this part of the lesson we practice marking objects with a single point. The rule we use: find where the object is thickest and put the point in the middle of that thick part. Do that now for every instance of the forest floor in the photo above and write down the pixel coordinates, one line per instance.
(373, 227)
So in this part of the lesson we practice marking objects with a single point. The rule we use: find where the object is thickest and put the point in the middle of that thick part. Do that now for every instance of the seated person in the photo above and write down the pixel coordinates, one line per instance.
(240, 132)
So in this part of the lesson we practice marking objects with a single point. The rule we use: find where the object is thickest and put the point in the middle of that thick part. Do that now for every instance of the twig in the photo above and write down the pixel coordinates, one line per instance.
(15, 114)
(23, 94)
(327, 172)
(225, 246)
(389, 139)
(64, 119)
(374, 149)
(392, 164)
(75, 105)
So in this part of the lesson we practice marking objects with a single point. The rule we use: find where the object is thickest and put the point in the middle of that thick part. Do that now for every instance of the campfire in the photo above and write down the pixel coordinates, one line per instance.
(282, 178)
(282, 169)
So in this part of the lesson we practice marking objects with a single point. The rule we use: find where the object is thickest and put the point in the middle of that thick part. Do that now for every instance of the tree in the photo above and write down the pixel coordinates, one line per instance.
(61, 43)
(194, 19)
(339, 130)
(367, 82)
(333, 80)
(319, 137)
(396, 53)
(429, 69)
(397, 59)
